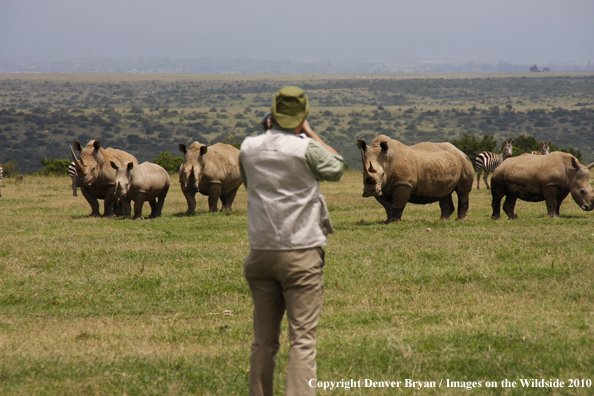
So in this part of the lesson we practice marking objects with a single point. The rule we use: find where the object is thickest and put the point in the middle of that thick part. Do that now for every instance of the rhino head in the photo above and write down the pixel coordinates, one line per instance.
(190, 171)
(88, 167)
(373, 172)
(579, 185)
(123, 178)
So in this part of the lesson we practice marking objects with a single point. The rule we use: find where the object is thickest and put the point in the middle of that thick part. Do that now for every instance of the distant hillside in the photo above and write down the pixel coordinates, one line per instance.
(251, 66)
(40, 115)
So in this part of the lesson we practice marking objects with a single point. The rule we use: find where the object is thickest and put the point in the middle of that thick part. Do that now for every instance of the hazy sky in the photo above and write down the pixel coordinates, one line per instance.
(515, 31)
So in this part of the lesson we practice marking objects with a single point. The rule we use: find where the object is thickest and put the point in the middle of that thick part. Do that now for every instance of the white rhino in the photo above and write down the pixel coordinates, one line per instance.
(95, 176)
(212, 171)
(536, 178)
(396, 174)
(140, 183)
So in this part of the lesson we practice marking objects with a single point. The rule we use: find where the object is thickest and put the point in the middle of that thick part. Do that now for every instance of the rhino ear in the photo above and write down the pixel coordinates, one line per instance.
(97, 145)
(77, 145)
(203, 150)
(575, 163)
(361, 144)
(114, 166)
(182, 148)
(384, 146)
(130, 166)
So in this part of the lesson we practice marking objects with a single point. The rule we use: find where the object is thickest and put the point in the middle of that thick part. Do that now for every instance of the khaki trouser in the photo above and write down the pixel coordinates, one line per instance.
(282, 280)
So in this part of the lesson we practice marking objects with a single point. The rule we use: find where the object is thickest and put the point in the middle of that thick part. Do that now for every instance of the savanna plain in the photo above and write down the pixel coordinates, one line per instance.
(101, 306)
(160, 307)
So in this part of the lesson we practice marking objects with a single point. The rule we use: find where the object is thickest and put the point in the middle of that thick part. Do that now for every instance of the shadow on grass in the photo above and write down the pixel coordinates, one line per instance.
(363, 223)
(184, 214)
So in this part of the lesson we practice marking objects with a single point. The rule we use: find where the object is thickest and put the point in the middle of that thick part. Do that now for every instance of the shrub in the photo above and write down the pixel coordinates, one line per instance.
(54, 166)
(170, 163)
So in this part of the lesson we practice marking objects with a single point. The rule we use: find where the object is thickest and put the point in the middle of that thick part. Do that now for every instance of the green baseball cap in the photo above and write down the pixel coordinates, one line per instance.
(290, 107)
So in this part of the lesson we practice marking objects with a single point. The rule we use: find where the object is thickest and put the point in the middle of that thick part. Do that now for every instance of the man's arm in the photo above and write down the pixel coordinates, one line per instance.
(306, 129)
(323, 164)
(242, 173)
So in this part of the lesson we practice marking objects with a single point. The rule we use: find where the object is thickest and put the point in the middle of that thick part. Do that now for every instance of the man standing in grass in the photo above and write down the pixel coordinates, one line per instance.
(288, 223)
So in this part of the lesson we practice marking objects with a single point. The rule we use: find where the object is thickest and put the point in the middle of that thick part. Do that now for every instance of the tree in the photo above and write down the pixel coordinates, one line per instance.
(54, 166)
(170, 163)
(10, 168)
(525, 144)
(534, 68)
(472, 147)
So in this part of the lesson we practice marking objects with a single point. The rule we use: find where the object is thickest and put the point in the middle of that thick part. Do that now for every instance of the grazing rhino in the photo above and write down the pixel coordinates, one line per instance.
(95, 176)
(395, 174)
(536, 178)
(140, 183)
(212, 171)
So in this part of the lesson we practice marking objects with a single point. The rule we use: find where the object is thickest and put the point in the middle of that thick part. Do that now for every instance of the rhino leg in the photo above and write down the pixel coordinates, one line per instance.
(118, 208)
(92, 201)
(463, 202)
(560, 201)
(153, 205)
(138, 203)
(191, 199)
(553, 200)
(498, 192)
(110, 199)
(387, 204)
(125, 207)
(158, 208)
(509, 205)
(214, 193)
(400, 197)
(227, 200)
(447, 207)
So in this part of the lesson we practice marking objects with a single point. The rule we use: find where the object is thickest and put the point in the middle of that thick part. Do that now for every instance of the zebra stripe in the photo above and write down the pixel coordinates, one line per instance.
(73, 175)
(487, 161)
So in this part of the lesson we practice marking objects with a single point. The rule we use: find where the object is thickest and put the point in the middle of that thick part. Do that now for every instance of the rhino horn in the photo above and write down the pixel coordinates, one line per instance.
(371, 169)
(191, 178)
(77, 163)
(590, 166)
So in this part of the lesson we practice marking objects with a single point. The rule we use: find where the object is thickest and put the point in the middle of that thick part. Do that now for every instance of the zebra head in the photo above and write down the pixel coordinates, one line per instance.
(544, 147)
(507, 149)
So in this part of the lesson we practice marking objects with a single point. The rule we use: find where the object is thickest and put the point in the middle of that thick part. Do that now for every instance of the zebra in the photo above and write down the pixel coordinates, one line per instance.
(73, 175)
(544, 148)
(1, 172)
(488, 161)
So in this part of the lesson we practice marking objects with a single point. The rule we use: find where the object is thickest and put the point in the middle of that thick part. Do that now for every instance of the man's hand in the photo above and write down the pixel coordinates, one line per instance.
(306, 129)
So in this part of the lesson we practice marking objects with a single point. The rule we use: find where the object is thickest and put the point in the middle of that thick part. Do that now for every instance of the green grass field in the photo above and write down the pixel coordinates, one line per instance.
(93, 306)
